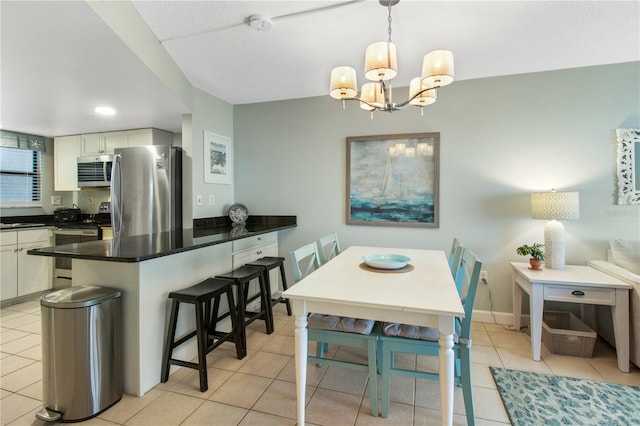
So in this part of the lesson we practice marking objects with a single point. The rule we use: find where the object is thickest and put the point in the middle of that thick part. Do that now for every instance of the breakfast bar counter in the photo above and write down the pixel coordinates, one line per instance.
(139, 248)
(147, 268)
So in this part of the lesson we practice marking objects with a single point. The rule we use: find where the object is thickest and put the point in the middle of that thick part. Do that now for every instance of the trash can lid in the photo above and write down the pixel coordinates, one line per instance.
(81, 296)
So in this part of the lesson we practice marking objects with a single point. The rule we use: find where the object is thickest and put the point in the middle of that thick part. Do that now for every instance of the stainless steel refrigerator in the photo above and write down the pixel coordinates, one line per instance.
(146, 190)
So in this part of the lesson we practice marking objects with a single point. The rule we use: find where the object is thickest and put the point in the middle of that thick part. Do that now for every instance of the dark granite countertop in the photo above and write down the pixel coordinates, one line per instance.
(151, 246)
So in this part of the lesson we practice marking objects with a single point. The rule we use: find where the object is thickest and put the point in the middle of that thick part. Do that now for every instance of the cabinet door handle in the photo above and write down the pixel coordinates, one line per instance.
(577, 293)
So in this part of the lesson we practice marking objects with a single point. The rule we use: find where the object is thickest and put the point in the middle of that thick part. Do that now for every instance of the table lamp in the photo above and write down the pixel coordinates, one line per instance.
(554, 206)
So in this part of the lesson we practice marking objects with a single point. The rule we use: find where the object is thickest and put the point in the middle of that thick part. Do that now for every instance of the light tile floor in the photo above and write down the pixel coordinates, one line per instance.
(260, 389)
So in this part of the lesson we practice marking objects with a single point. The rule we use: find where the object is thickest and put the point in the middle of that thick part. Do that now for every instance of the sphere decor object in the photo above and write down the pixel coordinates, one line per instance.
(238, 214)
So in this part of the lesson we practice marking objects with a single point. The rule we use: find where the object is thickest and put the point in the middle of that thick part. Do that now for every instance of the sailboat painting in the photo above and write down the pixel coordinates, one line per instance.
(392, 180)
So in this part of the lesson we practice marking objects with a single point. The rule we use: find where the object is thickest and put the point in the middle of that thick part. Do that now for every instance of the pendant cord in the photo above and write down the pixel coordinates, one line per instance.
(389, 19)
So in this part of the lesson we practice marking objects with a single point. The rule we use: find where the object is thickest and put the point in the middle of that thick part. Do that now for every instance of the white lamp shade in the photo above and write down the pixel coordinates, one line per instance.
(437, 68)
(343, 83)
(371, 93)
(552, 206)
(380, 61)
(425, 98)
(555, 205)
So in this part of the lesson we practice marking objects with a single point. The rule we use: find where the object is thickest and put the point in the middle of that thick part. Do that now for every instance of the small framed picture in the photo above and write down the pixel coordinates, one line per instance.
(218, 158)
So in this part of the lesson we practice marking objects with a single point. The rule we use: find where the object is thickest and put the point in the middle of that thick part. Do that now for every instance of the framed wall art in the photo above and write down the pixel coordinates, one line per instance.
(628, 166)
(218, 159)
(392, 180)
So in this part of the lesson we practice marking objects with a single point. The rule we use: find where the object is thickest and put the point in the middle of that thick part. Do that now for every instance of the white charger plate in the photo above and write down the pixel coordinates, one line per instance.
(386, 261)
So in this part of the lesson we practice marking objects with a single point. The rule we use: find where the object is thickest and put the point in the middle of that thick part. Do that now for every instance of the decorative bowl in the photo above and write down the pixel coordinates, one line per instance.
(386, 261)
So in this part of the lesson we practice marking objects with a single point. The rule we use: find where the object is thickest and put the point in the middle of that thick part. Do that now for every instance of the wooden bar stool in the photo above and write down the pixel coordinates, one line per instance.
(242, 278)
(207, 336)
(269, 263)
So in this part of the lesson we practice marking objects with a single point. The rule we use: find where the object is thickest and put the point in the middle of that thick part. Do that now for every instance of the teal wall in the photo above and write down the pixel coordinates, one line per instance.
(501, 139)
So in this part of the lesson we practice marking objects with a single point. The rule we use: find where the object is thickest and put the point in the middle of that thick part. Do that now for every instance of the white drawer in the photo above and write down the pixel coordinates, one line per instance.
(258, 240)
(34, 235)
(8, 238)
(580, 294)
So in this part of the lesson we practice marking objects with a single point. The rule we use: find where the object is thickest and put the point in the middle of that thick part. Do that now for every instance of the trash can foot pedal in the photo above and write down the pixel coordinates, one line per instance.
(48, 415)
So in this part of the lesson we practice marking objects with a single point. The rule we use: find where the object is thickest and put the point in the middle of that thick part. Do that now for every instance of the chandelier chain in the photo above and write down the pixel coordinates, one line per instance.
(389, 19)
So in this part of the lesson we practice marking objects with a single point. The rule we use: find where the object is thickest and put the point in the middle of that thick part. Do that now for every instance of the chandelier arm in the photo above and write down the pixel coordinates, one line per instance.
(363, 101)
(415, 96)
(385, 92)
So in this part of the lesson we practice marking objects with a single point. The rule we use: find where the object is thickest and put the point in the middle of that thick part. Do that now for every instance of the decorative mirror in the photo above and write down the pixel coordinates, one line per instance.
(628, 166)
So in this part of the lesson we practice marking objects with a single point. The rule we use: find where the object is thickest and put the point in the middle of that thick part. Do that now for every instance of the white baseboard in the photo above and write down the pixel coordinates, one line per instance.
(497, 317)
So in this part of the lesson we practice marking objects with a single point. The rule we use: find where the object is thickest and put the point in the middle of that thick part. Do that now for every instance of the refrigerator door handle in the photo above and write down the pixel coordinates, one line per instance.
(116, 195)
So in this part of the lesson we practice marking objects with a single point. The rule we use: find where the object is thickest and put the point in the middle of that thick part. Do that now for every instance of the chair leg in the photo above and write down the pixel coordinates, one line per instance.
(321, 348)
(373, 377)
(236, 327)
(467, 392)
(241, 306)
(201, 337)
(285, 287)
(168, 343)
(265, 291)
(387, 359)
(213, 320)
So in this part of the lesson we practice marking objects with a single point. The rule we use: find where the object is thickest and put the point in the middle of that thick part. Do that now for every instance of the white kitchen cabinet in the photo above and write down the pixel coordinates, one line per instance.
(21, 273)
(106, 143)
(8, 265)
(103, 143)
(249, 249)
(66, 150)
(149, 137)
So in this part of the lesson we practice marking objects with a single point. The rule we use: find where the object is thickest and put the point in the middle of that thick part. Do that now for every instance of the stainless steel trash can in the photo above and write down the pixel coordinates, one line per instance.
(81, 352)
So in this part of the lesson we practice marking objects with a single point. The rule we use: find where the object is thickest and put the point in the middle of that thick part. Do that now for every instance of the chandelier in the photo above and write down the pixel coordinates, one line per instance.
(380, 66)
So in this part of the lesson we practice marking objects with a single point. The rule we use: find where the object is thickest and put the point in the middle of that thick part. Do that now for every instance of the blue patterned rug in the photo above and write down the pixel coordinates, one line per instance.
(542, 399)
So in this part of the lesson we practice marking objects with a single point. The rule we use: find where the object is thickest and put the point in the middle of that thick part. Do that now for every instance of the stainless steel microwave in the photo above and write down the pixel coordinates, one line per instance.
(94, 171)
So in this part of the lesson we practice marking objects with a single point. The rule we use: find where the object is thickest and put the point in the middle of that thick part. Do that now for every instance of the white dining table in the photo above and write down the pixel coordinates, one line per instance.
(425, 295)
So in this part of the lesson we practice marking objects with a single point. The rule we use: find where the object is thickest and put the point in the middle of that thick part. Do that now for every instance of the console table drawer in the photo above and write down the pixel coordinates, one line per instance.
(578, 294)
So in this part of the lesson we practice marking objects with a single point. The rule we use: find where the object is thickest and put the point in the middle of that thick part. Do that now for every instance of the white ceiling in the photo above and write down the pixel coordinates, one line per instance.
(59, 58)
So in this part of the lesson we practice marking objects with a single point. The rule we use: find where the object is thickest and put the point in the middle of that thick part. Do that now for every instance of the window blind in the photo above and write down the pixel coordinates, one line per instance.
(20, 178)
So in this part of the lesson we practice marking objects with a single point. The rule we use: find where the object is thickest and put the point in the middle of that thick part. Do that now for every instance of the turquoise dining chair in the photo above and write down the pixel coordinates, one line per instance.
(345, 331)
(424, 340)
(328, 247)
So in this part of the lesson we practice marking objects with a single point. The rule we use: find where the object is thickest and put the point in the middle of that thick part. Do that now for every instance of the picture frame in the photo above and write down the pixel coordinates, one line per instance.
(218, 158)
(628, 166)
(393, 180)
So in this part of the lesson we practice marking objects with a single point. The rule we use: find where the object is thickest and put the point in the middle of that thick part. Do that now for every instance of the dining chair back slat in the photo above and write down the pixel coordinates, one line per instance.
(328, 247)
(304, 261)
(454, 256)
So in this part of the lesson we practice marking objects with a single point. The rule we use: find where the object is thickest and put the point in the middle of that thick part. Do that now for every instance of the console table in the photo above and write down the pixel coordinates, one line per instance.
(574, 284)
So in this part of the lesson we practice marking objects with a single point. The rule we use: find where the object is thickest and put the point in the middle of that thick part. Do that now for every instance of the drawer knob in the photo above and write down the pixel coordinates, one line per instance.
(577, 293)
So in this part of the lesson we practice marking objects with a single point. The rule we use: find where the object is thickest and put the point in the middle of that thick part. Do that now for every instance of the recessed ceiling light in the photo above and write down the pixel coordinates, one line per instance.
(105, 110)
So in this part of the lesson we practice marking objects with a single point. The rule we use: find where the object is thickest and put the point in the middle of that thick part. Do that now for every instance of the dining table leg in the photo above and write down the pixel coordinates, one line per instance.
(446, 361)
(301, 341)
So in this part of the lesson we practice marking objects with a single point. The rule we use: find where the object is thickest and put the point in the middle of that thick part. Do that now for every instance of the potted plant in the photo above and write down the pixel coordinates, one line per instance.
(536, 253)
